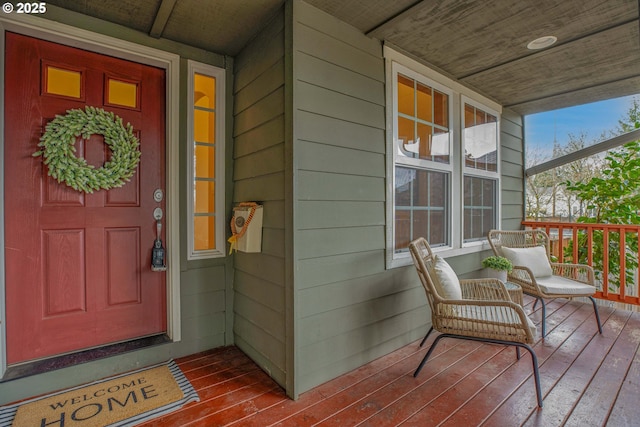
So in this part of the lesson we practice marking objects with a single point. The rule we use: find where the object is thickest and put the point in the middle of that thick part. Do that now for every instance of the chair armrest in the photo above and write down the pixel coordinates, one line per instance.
(484, 290)
(495, 319)
(524, 277)
(578, 272)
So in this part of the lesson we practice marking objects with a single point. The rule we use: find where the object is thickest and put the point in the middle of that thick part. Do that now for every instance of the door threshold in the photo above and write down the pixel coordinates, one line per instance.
(41, 366)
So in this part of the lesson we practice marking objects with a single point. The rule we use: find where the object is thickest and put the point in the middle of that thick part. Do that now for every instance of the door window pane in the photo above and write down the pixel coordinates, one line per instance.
(122, 93)
(63, 82)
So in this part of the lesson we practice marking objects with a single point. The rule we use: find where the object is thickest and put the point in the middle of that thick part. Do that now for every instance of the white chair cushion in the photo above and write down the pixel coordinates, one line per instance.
(563, 286)
(446, 283)
(534, 258)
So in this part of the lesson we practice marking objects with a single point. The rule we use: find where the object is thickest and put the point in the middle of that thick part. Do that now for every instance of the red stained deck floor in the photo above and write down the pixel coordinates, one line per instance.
(587, 380)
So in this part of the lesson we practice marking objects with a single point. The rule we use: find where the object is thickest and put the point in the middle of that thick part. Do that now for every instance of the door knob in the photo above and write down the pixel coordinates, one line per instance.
(157, 214)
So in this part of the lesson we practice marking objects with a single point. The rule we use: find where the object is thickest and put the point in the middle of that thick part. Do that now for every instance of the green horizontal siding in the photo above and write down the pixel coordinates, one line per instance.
(259, 175)
(512, 169)
(349, 309)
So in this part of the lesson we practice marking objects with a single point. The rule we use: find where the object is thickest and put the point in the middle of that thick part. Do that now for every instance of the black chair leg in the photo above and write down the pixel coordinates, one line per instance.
(518, 353)
(426, 336)
(536, 372)
(544, 316)
(595, 309)
(534, 358)
(426, 357)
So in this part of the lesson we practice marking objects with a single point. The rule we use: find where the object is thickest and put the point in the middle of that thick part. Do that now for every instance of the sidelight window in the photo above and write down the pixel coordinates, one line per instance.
(206, 165)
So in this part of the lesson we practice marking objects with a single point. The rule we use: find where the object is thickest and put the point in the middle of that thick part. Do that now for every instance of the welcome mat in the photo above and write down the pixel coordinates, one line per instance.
(124, 400)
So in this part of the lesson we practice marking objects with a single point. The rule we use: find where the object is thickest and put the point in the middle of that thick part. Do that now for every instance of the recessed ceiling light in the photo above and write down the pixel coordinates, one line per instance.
(542, 42)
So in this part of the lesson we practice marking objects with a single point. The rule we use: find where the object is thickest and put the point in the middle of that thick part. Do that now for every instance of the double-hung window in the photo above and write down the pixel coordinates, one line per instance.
(481, 179)
(423, 167)
(443, 161)
(205, 151)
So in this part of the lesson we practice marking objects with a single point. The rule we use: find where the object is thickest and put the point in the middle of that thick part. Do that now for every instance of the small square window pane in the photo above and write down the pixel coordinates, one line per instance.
(204, 233)
(63, 82)
(468, 229)
(404, 187)
(204, 126)
(407, 138)
(488, 192)
(469, 187)
(438, 228)
(441, 109)
(402, 230)
(204, 91)
(122, 93)
(425, 141)
(438, 195)
(205, 161)
(406, 95)
(469, 115)
(425, 103)
(421, 224)
(440, 146)
(204, 197)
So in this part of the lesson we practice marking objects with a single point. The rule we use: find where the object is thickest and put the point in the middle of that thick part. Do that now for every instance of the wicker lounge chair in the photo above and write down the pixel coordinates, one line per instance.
(477, 310)
(537, 275)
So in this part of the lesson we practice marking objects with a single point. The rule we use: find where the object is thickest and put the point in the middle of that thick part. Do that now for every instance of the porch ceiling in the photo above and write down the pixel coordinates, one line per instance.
(482, 44)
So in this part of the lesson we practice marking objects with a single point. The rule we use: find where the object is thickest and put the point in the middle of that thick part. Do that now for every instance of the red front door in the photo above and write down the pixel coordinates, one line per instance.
(78, 265)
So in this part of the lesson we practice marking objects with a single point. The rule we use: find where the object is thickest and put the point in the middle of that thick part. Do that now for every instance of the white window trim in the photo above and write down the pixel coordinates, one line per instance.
(219, 74)
(459, 94)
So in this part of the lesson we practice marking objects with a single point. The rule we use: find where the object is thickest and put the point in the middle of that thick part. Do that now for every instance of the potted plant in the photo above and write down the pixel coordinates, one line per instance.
(497, 267)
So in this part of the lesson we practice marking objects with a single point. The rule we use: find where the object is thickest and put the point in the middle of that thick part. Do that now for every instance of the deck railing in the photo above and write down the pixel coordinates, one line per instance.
(611, 249)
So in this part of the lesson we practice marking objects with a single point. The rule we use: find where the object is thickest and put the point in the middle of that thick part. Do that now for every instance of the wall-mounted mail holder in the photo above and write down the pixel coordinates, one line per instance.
(246, 228)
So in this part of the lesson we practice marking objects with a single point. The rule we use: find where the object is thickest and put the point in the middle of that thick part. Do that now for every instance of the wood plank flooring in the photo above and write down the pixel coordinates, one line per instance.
(587, 380)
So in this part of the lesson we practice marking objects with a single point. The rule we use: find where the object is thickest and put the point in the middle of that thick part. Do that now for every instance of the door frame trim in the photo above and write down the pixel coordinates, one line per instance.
(99, 43)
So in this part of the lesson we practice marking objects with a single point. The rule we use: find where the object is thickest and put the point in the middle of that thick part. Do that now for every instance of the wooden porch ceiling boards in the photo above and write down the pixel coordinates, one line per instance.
(480, 43)
(483, 44)
(587, 379)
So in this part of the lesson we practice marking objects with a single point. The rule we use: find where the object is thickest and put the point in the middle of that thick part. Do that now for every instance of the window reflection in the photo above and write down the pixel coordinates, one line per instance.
(422, 130)
(480, 139)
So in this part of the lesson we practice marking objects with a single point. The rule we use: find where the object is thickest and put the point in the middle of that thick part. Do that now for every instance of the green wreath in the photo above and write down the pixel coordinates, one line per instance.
(57, 148)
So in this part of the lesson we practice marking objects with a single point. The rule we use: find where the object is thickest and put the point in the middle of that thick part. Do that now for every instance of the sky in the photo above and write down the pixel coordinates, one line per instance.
(592, 119)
